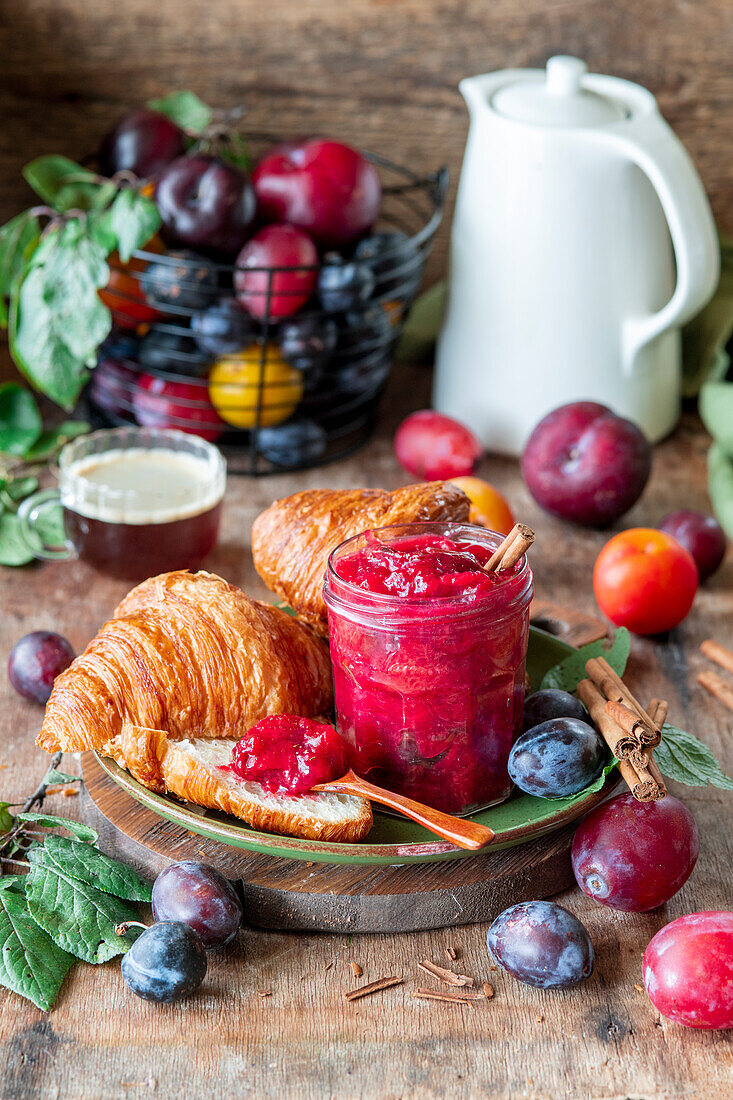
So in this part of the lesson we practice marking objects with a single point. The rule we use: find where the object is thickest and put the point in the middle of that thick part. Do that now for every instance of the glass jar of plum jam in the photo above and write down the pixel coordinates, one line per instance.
(428, 654)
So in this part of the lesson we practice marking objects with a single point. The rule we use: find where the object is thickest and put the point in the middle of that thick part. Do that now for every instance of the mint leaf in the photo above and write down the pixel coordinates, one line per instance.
(6, 818)
(31, 964)
(18, 238)
(13, 548)
(66, 185)
(683, 757)
(18, 488)
(78, 917)
(128, 224)
(20, 420)
(51, 440)
(185, 109)
(51, 821)
(88, 864)
(569, 672)
(53, 776)
(58, 320)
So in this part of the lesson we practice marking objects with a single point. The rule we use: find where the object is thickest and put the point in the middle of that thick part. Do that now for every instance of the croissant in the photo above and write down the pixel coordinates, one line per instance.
(292, 539)
(191, 655)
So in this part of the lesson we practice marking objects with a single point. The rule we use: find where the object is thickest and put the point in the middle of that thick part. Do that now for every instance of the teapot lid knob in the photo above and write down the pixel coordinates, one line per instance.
(564, 74)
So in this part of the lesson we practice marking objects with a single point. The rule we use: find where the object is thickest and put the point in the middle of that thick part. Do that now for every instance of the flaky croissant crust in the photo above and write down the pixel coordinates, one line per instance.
(192, 655)
(292, 539)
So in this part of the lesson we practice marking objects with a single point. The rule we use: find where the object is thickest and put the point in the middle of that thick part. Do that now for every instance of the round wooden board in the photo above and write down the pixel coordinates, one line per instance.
(290, 895)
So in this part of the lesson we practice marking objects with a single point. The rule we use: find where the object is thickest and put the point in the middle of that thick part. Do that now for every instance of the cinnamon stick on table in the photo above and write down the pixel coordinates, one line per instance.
(719, 688)
(714, 651)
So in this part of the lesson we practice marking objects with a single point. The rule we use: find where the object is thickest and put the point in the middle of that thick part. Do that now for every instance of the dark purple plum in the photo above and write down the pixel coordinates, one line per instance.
(557, 758)
(550, 703)
(223, 329)
(308, 341)
(633, 855)
(167, 962)
(181, 280)
(585, 464)
(701, 535)
(201, 897)
(112, 385)
(297, 443)
(365, 331)
(174, 352)
(35, 661)
(395, 261)
(205, 204)
(344, 285)
(541, 944)
(143, 142)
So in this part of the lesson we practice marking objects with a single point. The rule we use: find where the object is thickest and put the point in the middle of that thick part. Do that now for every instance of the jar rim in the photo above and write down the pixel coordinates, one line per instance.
(518, 581)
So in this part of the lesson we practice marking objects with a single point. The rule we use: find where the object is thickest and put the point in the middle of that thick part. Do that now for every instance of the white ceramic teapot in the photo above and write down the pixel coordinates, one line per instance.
(582, 240)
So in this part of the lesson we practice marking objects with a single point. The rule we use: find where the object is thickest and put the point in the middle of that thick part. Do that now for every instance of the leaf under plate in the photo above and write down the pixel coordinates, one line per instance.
(52, 821)
(90, 865)
(569, 672)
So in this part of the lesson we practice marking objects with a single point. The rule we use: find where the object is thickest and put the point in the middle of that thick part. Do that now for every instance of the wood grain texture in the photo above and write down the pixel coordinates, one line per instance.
(602, 1040)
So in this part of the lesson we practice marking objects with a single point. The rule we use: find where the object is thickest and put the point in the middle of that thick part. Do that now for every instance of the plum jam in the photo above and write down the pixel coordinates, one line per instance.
(428, 654)
(288, 755)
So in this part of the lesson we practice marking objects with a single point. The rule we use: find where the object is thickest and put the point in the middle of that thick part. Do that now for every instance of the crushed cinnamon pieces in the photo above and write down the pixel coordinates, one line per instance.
(372, 987)
(449, 977)
(452, 998)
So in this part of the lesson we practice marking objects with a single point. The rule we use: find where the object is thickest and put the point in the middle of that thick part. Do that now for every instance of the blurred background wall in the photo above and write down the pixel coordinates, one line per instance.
(379, 73)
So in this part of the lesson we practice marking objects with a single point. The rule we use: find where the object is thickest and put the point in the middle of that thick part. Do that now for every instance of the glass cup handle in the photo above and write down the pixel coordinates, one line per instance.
(30, 512)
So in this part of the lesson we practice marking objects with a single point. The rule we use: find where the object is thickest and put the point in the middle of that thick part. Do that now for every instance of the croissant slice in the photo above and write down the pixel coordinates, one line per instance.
(292, 539)
(191, 655)
(196, 770)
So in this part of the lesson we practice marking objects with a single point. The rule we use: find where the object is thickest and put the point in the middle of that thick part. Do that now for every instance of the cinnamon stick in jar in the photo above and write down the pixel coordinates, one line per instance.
(515, 546)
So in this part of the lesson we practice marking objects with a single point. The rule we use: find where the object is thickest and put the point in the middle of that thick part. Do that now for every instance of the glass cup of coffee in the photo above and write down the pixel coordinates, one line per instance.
(135, 502)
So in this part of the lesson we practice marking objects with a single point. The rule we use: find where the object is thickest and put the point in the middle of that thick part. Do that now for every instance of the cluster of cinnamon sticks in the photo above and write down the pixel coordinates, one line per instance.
(716, 685)
(630, 732)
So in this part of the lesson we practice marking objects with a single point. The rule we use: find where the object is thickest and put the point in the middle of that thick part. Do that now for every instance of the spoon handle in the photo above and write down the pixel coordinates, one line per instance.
(460, 831)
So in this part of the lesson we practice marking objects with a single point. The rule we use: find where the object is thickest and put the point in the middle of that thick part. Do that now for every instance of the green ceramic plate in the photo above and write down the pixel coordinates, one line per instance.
(393, 840)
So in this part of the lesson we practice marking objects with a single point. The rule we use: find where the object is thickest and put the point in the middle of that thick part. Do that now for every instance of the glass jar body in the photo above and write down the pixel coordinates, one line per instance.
(429, 691)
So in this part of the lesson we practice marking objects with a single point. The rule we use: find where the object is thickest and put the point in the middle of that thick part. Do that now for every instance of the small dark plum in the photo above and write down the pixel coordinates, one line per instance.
(541, 944)
(395, 261)
(342, 284)
(585, 464)
(550, 703)
(298, 443)
(180, 280)
(365, 330)
(205, 204)
(120, 345)
(557, 758)
(360, 376)
(701, 535)
(143, 142)
(633, 855)
(35, 661)
(200, 897)
(223, 329)
(174, 352)
(308, 341)
(167, 962)
(111, 386)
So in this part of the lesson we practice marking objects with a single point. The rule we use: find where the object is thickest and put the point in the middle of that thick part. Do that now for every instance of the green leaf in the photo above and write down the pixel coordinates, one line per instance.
(16, 883)
(235, 150)
(185, 109)
(6, 818)
(720, 486)
(13, 548)
(77, 916)
(51, 440)
(569, 672)
(596, 785)
(51, 821)
(31, 964)
(683, 757)
(55, 776)
(20, 487)
(128, 224)
(18, 238)
(58, 320)
(88, 864)
(716, 410)
(66, 185)
(20, 420)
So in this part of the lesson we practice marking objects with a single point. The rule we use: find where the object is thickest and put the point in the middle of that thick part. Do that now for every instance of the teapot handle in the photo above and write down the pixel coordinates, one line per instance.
(660, 155)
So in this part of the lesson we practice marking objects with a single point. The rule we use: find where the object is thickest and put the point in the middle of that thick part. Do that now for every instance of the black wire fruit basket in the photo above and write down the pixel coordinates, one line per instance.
(283, 367)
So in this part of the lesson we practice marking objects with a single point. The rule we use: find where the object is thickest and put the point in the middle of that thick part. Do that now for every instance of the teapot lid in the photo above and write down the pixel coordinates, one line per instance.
(557, 97)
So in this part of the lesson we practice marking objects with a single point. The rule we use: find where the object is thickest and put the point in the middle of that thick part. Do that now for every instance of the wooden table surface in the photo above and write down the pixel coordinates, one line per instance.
(304, 1040)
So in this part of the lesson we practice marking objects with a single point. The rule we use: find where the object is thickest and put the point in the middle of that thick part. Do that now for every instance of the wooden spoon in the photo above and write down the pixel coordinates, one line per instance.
(460, 831)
